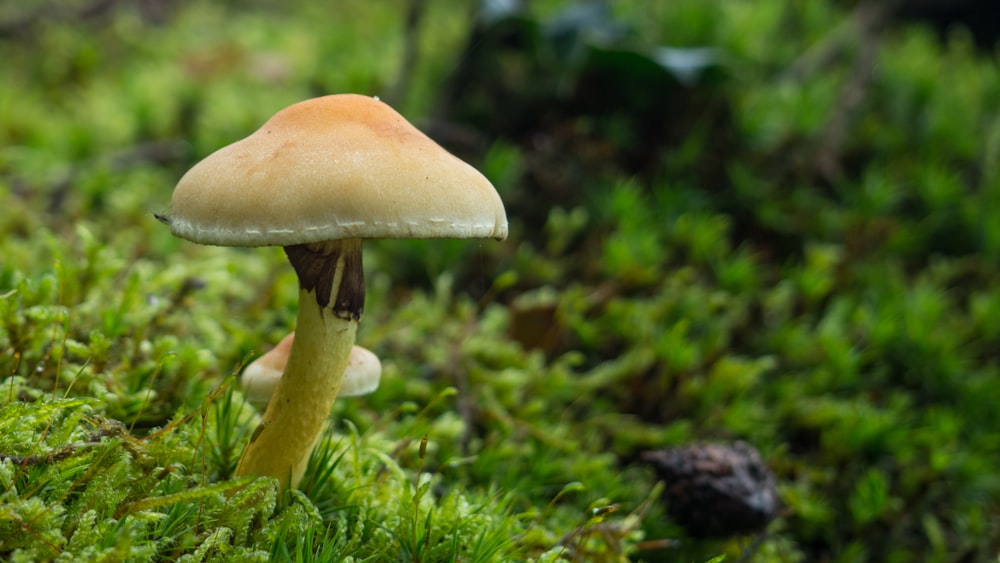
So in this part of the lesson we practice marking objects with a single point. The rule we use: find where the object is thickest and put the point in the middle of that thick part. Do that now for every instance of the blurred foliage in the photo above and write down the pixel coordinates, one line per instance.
(770, 221)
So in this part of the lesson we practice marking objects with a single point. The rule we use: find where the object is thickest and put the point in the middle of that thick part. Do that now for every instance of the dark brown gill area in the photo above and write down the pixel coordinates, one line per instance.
(333, 271)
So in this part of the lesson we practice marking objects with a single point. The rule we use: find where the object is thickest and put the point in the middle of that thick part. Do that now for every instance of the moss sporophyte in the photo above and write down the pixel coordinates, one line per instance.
(318, 178)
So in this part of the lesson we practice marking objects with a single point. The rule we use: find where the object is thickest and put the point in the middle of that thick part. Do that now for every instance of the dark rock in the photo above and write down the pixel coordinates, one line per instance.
(716, 490)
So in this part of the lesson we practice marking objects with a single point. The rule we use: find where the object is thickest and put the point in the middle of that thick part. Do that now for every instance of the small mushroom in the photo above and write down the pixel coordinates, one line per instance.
(261, 377)
(318, 178)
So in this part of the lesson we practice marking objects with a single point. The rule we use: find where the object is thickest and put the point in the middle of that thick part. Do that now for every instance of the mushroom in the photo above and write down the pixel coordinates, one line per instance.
(316, 179)
(261, 377)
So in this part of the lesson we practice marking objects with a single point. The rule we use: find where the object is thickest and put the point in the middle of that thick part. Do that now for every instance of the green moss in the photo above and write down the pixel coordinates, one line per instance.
(724, 265)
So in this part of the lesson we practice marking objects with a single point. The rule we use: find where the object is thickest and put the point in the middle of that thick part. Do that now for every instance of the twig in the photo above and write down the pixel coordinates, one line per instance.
(411, 49)
(869, 19)
(108, 428)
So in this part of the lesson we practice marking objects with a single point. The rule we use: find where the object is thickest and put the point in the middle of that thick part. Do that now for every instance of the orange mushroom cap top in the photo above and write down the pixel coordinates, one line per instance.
(330, 168)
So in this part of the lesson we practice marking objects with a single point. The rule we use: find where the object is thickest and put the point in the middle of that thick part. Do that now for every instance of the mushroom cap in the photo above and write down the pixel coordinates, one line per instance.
(261, 377)
(330, 168)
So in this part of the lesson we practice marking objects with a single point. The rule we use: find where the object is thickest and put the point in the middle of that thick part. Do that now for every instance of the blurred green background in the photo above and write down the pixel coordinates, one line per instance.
(764, 220)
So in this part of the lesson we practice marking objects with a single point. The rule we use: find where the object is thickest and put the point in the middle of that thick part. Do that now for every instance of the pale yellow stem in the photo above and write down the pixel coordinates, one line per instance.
(293, 422)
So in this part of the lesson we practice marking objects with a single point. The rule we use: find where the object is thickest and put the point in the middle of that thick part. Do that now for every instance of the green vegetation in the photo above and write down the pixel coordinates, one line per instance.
(782, 231)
